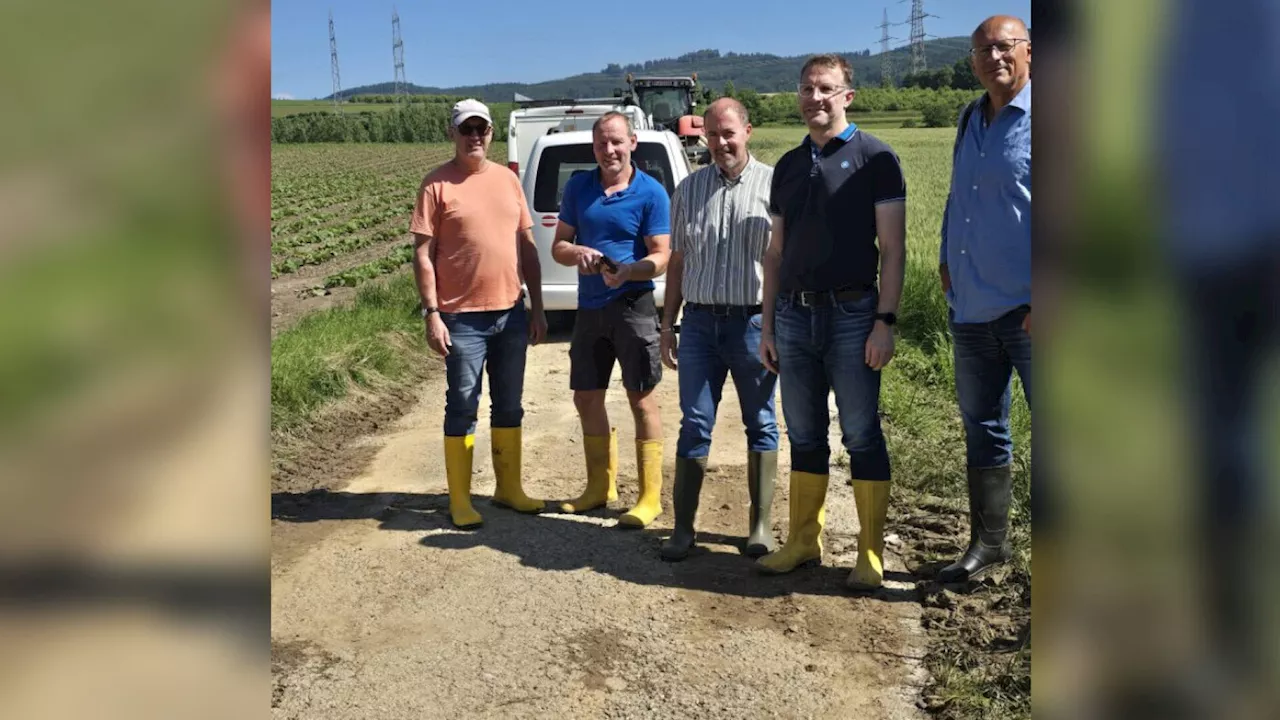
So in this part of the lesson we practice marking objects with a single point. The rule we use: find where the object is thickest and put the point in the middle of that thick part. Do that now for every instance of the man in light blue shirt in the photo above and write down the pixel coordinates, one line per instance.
(985, 264)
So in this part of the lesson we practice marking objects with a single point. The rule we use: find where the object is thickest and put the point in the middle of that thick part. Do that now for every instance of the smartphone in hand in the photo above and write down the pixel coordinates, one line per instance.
(608, 264)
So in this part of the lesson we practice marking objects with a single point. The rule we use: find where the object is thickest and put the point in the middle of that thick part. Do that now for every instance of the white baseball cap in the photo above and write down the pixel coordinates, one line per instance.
(468, 109)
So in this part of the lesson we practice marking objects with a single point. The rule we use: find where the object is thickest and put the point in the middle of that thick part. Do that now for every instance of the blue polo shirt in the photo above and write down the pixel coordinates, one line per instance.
(986, 227)
(615, 225)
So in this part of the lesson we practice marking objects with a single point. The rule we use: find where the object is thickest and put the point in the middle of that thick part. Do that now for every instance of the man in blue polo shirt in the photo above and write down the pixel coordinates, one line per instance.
(621, 221)
(985, 267)
(826, 325)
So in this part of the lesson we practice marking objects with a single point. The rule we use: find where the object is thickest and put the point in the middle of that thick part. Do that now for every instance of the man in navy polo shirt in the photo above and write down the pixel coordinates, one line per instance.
(985, 268)
(621, 221)
(826, 325)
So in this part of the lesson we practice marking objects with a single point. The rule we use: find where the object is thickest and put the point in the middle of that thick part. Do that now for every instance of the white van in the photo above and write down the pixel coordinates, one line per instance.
(557, 157)
(526, 125)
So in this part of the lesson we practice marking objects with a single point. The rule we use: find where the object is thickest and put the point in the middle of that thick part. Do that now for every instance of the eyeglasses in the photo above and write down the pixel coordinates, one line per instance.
(819, 91)
(473, 129)
(1004, 47)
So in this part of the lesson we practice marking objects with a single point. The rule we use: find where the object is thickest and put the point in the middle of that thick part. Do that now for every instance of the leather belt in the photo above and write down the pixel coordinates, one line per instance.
(817, 298)
(725, 310)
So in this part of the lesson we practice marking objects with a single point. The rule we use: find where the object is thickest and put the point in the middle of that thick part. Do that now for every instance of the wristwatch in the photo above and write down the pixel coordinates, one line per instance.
(426, 312)
(888, 318)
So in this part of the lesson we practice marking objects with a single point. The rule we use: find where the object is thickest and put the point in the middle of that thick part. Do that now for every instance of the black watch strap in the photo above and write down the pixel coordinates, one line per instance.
(889, 318)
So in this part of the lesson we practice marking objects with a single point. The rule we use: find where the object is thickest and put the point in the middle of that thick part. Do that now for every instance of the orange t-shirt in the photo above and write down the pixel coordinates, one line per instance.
(474, 218)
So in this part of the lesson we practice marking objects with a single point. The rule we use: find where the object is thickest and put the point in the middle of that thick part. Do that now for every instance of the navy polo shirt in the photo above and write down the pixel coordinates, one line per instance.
(616, 225)
(827, 200)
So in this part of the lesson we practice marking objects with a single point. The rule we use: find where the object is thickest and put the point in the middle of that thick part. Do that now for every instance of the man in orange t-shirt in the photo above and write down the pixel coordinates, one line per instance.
(474, 245)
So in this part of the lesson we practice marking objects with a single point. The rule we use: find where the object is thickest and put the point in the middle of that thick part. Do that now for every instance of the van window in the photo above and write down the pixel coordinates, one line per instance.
(561, 162)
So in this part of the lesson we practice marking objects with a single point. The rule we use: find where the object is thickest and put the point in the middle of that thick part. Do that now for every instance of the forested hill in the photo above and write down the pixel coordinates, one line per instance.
(761, 72)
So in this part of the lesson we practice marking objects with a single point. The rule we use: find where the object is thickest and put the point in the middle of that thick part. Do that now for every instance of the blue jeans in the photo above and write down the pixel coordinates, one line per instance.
(497, 339)
(986, 355)
(820, 349)
(710, 348)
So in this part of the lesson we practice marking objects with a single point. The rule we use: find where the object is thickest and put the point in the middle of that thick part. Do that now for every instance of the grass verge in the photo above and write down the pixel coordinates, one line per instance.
(979, 636)
(371, 342)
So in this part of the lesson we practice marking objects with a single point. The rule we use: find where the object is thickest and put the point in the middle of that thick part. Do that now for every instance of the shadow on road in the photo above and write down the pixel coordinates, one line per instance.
(558, 542)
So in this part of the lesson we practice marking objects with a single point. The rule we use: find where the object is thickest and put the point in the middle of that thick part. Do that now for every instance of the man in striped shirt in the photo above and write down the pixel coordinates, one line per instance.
(719, 230)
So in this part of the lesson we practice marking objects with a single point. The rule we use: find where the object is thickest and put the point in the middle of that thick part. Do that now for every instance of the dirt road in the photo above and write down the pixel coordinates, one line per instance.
(381, 609)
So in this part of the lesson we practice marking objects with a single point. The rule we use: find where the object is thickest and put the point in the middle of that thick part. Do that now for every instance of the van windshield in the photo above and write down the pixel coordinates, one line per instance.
(561, 162)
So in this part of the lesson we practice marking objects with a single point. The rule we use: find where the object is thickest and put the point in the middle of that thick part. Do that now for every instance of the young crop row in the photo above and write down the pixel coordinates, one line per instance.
(345, 187)
(337, 249)
(392, 197)
(326, 235)
(352, 277)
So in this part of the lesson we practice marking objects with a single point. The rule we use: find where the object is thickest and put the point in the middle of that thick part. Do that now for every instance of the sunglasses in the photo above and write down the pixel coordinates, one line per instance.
(473, 129)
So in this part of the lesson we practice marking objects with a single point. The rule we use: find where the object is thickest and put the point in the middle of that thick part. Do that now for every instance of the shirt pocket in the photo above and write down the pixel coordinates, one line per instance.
(1016, 158)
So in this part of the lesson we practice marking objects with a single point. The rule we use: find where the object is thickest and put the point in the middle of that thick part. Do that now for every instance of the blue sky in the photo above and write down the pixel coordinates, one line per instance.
(468, 43)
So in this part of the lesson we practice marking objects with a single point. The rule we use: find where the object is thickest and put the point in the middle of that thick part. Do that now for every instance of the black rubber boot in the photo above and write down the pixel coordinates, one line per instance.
(762, 469)
(990, 493)
(684, 496)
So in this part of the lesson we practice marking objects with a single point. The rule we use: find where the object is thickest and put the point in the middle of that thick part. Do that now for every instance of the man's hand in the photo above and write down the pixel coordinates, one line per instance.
(768, 352)
(537, 327)
(588, 260)
(879, 346)
(670, 348)
(1026, 324)
(618, 279)
(438, 335)
(945, 274)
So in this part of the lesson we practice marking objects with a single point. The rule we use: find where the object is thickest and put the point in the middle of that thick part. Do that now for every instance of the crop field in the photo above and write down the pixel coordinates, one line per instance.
(340, 217)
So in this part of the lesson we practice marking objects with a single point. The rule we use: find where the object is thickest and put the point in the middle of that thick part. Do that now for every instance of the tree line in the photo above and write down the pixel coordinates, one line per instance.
(424, 122)
(939, 107)
(418, 122)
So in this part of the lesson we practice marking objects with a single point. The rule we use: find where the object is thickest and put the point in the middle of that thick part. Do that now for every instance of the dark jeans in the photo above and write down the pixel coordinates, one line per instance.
(820, 349)
(497, 340)
(986, 355)
(1232, 333)
(711, 347)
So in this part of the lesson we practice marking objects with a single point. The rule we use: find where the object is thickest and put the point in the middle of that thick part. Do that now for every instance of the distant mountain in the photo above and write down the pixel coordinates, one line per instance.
(756, 71)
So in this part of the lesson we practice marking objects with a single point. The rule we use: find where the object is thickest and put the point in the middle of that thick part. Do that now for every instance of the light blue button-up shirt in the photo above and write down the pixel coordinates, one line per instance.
(986, 227)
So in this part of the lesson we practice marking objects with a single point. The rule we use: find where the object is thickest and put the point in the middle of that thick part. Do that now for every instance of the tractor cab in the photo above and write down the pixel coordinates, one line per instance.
(669, 103)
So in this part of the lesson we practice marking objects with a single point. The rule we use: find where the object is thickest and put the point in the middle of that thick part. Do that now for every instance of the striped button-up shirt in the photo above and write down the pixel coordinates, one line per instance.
(721, 227)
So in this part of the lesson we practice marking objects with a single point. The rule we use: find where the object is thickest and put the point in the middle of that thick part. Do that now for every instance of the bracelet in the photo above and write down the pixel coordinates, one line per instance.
(668, 330)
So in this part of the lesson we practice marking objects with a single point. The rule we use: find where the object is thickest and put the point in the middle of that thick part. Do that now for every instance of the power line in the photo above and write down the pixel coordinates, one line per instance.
(886, 62)
(918, 61)
(397, 53)
(333, 60)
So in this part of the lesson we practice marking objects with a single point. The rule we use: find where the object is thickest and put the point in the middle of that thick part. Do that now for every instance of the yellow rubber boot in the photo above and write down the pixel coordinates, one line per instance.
(506, 468)
(458, 452)
(602, 473)
(649, 469)
(808, 509)
(872, 497)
